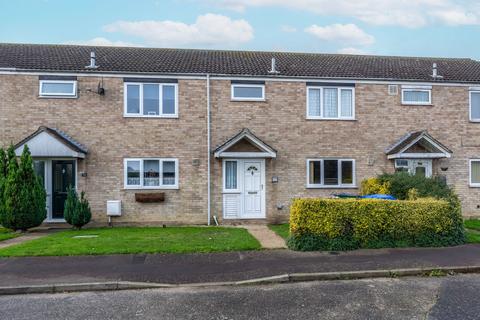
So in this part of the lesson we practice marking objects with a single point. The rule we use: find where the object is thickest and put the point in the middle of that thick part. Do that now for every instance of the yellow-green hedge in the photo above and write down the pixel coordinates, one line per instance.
(341, 224)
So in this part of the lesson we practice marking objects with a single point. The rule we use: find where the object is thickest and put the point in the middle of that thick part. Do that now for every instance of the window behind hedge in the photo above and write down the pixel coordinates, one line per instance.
(325, 173)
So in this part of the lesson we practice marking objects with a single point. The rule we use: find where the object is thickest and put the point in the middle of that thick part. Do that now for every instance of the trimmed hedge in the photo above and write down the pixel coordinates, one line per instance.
(346, 224)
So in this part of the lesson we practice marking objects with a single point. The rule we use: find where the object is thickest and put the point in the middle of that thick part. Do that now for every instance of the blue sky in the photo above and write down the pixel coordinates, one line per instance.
(448, 28)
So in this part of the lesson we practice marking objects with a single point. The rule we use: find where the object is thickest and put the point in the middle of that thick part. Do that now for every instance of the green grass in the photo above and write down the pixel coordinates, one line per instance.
(136, 240)
(281, 229)
(472, 224)
(6, 234)
(473, 237)
(472, 230)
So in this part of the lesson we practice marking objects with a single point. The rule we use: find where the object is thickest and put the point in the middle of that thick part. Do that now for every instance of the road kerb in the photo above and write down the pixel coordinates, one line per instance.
(283, 278)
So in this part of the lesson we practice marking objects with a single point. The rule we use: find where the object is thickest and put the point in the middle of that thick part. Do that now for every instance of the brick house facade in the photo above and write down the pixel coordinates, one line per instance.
(256, 177)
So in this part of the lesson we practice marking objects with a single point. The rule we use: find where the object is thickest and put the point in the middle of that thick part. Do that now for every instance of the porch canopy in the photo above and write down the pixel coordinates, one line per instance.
(418, 145)
(245, 145)
(51, 143)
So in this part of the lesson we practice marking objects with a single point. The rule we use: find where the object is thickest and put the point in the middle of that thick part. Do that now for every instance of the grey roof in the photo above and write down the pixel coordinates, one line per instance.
(409, 138)
(74, 58)
(59, 134)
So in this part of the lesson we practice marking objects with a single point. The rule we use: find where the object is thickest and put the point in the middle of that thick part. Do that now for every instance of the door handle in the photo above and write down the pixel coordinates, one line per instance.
(252, 192)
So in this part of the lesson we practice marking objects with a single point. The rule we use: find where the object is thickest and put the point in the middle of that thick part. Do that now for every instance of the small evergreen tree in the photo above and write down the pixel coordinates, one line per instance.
(77, 211)
(24, 195)
(3, 177)
(70, 204)
(10, 190)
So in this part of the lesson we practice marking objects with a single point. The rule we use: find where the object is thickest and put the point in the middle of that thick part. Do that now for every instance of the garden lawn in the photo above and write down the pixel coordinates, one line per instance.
(6, 234)
(473, 224)
(124, 240)
(281, 229)
(472, 230)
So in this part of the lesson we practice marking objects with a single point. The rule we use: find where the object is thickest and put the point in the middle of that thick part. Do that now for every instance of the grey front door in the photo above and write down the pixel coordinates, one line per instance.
(63, 177)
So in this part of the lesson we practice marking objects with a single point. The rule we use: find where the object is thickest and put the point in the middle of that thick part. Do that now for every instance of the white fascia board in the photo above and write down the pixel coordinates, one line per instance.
(419, 155)
(278, 78)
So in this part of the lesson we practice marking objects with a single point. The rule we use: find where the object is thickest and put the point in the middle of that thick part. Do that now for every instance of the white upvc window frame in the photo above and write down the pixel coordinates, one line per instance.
(246, 85)
(160, 100)
(161, 186)
(339, 174)
(420, 89)
(42, 94)
(472, 184)
(224, 180)
(477, 91)
(339, 106)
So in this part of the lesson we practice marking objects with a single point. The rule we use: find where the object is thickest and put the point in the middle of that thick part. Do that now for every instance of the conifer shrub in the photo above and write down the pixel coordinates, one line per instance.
(23, 199)
(77, 210)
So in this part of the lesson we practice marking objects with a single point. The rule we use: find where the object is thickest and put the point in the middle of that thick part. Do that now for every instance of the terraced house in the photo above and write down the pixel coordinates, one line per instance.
(202, 136)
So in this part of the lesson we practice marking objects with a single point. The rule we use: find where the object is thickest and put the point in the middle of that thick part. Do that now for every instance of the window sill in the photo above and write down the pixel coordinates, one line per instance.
(474, 120)
(474, 185)
(248, 100)
(331, 187)
(57, 97)
(150, 189)
(150, 117)
(417, 104)
(330, 119)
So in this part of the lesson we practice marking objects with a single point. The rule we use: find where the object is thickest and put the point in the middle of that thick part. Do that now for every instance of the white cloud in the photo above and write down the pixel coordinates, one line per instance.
(406, 13)
(456, 17)
(348, 34)
(208, 30)
(288, 29)
(99, 41)
(351, 50)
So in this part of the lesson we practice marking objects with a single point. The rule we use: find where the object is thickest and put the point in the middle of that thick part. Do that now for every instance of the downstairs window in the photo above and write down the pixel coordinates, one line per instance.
(330, 173)
(151, 173)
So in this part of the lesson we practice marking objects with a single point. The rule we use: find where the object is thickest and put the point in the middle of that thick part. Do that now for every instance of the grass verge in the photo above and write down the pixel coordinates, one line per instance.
(124, 240)
(472, 230)
(281, 229)
(6, 234)
(473, 224)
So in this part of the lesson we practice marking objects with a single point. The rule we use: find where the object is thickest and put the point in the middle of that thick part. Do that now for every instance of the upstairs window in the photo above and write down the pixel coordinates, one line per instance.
(475, 106)
(151, 100)
(58, 88)
(248, 92)
(330, 103)
(151, 173)
(330, 173)
(416, 95)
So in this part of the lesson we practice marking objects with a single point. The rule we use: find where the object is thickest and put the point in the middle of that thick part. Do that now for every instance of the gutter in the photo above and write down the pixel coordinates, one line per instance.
(199, 76)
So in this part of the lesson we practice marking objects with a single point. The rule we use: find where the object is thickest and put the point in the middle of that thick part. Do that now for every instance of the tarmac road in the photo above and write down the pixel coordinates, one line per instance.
(451, 297)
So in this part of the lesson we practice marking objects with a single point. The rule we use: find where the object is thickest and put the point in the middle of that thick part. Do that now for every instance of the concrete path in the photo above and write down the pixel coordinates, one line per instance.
(267, 238)
(31, 235)
(220, 267)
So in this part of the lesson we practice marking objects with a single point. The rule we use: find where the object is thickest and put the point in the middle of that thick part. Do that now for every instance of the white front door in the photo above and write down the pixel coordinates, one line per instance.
(252, 189)
(244, 189)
